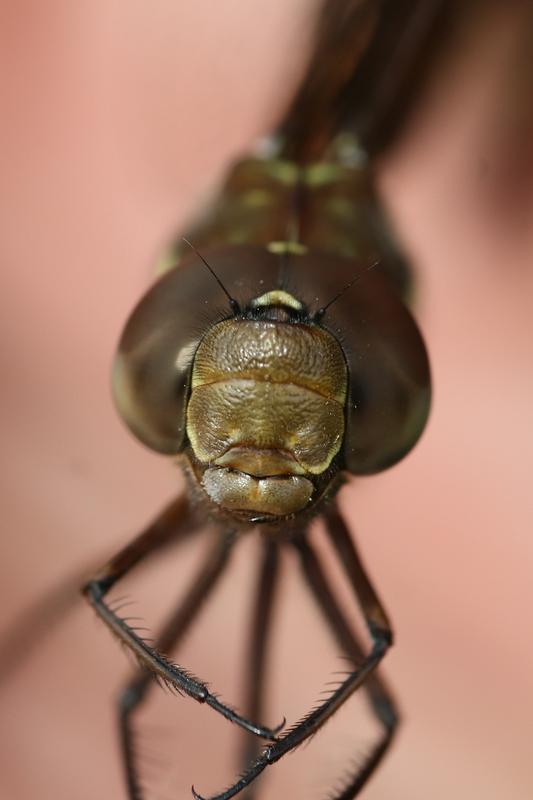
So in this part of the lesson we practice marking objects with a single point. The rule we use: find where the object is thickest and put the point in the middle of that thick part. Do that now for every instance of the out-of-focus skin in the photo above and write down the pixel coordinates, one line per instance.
(116, 121)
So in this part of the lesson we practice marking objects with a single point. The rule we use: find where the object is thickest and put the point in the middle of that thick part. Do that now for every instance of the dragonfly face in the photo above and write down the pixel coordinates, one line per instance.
(268, 404)
(265, 414)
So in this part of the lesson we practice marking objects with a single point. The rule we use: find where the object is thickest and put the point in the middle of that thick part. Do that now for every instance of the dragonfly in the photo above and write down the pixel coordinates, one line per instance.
(310, 198)
(307, 367)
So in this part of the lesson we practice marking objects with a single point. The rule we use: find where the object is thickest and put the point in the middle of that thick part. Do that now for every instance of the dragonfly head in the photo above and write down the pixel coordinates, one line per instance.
(268, 401)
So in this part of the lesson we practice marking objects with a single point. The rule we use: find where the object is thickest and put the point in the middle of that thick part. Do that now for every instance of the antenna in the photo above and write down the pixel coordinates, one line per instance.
(235, 307)
(317, 316)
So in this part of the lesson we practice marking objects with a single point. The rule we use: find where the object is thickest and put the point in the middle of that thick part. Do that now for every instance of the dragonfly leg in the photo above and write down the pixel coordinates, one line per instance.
(268, 580)
(371, 606)
(171, 523)
(28, 629)
(381, 633)
(174, 629)
(48, 610)
(378, 694)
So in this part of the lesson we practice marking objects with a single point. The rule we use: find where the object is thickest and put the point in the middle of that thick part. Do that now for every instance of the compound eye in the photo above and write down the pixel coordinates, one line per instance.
(389, 377)
(150, 371)
(152, 365)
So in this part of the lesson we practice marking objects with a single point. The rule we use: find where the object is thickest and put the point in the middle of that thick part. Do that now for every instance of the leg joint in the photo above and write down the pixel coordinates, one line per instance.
(129, 698)
(95, 590)
(382, 636)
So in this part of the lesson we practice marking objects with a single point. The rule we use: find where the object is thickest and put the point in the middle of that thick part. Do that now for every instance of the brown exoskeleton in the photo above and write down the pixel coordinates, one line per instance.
(302, 378)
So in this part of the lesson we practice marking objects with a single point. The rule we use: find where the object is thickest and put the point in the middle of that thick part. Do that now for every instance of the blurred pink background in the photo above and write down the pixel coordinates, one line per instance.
(117, 118)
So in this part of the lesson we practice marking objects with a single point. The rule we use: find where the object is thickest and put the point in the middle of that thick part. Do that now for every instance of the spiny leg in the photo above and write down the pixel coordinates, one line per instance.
(373, 611)
(50, 608)
(376, 689)
(268, 580)
(172, 522)
(137, 689)
(380, 632)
